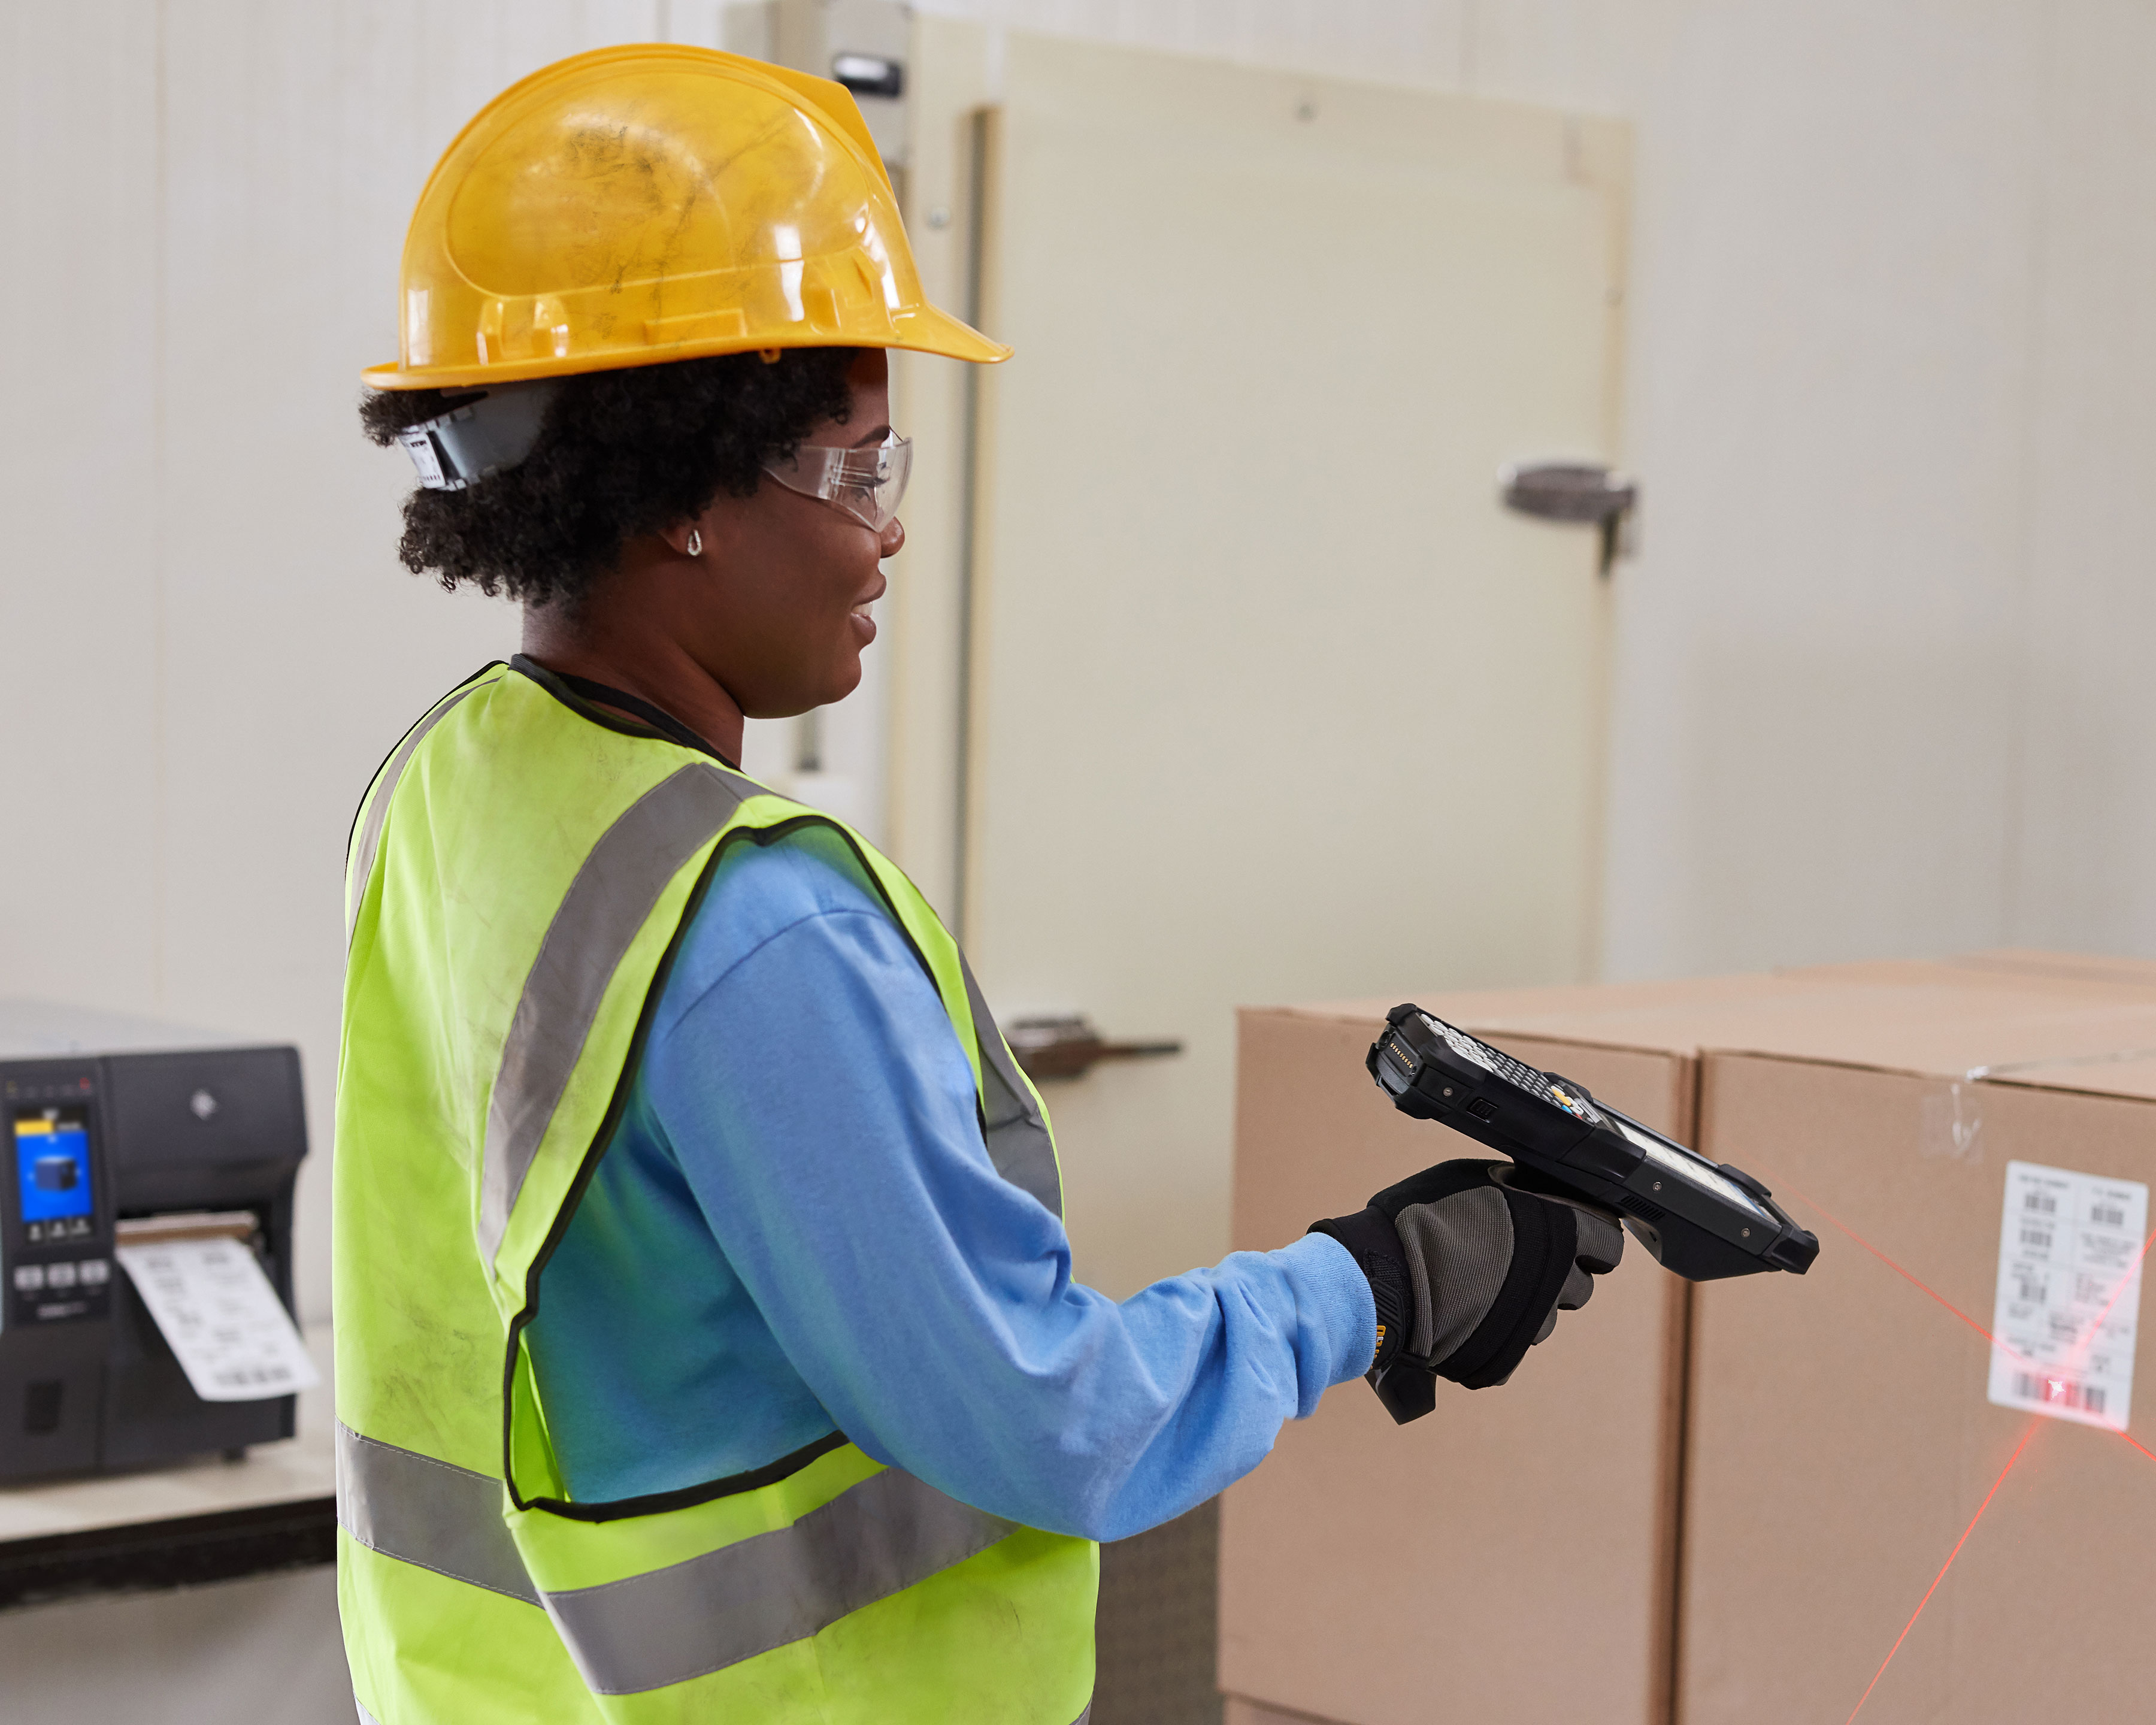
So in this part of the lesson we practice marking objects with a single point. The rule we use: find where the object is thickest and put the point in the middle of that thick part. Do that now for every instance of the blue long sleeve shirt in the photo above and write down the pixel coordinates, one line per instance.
(797, 1229)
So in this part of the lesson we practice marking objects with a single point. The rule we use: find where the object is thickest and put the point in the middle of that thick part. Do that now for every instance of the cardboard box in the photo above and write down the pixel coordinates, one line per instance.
(1514, 1556)
(1843, 1451)
(1381, 1575)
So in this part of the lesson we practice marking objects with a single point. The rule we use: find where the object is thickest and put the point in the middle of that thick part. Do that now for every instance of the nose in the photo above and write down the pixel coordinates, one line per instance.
(892, 537)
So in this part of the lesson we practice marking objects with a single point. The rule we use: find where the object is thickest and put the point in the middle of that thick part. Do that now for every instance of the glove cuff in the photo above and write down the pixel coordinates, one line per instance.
(1370, 1237)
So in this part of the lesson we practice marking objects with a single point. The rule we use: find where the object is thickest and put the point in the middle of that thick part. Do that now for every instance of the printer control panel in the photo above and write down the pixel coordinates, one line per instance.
(55, 1218)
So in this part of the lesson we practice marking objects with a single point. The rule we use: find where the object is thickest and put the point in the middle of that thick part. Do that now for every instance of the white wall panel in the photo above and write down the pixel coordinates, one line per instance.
(1831, 366)
(2085, 864)
(1592, 53)
(1410, 41)
(82, 547)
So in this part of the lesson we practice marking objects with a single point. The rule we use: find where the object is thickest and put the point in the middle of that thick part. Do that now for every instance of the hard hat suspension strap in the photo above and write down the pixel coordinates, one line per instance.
(497, 430)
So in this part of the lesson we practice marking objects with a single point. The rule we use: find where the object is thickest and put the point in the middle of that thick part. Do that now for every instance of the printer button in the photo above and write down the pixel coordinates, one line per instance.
(29, 1277)
(94, 1272)
(59, 1275)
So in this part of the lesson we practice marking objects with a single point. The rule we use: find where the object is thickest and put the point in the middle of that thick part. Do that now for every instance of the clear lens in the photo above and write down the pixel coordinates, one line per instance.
(867, 484)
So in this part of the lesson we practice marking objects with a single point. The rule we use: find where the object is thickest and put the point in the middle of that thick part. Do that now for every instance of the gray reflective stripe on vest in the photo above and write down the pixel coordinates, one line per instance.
(432, 1513)
(369, 840)
(871, 1541)
(599, 919)
(1019, 1143)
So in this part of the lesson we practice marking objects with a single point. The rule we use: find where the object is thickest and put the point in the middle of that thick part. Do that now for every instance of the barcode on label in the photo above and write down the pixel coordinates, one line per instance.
(224, 1321)
(2060, 1392)
(2068, 1298)
(237, 1375)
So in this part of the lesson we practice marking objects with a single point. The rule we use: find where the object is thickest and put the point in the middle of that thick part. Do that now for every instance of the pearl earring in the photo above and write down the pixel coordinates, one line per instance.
(696, 543)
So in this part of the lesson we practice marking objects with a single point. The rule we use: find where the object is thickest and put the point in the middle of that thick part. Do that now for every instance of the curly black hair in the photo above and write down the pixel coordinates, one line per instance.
(619, 453)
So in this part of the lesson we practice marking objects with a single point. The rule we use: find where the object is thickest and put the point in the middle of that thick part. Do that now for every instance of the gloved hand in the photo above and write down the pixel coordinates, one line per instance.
(1469, 1264)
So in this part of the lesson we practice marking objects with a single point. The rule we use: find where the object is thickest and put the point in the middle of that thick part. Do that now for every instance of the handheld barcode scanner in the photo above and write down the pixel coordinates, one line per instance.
(1700, 1219)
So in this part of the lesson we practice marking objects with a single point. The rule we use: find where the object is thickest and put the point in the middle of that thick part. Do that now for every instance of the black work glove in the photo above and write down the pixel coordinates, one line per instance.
(1469, 1263)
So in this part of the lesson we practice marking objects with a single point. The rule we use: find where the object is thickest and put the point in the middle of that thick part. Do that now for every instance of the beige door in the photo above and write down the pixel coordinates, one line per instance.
(1270, 699)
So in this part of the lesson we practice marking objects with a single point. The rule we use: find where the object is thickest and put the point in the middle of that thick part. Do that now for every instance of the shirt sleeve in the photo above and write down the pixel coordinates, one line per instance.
(819, 1103)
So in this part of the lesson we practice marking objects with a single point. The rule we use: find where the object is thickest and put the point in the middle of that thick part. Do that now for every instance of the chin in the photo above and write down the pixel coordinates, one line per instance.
(847, 679)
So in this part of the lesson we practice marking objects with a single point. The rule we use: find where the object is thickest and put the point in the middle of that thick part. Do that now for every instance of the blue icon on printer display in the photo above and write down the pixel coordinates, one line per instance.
(52, 1163)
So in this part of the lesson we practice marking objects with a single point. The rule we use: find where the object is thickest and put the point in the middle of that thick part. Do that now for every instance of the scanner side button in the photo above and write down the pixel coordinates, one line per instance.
(29, 1277)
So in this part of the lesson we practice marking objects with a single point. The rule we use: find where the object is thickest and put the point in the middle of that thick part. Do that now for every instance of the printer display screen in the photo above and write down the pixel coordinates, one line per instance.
(52, 1161)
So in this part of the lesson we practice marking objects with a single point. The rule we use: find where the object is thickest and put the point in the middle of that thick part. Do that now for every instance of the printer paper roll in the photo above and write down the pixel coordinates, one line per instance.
(225, 1323)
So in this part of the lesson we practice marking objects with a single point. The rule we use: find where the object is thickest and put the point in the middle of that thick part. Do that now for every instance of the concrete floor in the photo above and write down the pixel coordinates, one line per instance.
(265, 1651)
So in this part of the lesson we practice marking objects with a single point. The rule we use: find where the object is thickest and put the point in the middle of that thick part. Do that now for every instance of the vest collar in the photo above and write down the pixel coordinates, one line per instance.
(590, 699)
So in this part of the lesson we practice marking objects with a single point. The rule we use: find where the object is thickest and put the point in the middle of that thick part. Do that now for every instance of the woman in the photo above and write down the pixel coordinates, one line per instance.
(700, 1274)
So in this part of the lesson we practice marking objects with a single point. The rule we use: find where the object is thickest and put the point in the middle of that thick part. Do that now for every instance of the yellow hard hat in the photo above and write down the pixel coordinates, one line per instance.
(635, 205)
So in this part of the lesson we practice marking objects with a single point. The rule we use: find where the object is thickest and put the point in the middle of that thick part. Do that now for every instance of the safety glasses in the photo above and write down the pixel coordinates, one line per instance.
(867, 484)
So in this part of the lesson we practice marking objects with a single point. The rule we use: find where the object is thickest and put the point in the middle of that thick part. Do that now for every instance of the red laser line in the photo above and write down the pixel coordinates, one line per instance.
(1943, 1568)
(2086, 1342)
(1934, 1293)
(1898, 1271)
(2083, 1345)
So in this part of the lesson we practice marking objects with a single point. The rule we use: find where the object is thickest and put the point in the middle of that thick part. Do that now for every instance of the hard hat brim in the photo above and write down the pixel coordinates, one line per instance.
(923, 329)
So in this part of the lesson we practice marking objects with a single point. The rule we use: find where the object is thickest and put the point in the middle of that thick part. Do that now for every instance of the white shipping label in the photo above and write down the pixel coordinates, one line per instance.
(227, 1327)
(2069, 1299)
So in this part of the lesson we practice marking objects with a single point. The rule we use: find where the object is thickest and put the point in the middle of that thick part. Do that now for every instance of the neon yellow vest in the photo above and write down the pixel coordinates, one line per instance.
(520, 874)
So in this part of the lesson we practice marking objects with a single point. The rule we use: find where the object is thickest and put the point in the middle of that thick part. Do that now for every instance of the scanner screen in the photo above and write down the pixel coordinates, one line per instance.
(1688, 1166)
(52, 1161)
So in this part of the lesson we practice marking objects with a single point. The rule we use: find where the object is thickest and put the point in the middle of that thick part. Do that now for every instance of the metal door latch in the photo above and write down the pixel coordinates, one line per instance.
(1067, 1047)
(1588, 492)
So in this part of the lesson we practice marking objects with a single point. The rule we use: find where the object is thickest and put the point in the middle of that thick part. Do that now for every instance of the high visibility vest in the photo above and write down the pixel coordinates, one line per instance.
(520, 873)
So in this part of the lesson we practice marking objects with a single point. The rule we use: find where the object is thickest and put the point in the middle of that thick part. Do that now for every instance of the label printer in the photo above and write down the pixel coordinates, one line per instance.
(119, 1130)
